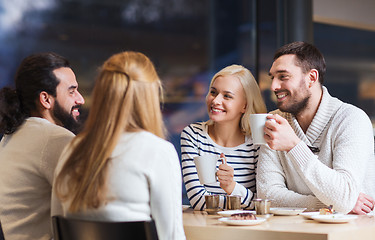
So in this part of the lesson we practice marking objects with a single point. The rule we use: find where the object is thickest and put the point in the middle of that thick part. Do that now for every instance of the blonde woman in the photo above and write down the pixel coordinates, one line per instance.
(233, 95)
(120, 168)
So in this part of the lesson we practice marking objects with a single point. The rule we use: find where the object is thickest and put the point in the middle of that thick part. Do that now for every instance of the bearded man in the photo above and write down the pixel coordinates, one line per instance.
(32, 119)
(320, 150)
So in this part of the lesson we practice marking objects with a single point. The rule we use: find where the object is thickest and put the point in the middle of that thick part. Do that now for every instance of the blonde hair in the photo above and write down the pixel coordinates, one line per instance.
(126, 98)
(254, 100)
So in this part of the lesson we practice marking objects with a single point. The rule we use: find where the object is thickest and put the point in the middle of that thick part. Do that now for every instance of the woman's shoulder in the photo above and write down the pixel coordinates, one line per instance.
(196, 128)
(142, 136)
(144, 140)
(249, 144)
(153, 144)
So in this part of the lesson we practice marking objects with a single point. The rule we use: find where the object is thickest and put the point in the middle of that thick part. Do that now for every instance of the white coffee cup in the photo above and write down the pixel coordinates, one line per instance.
(206, 168)
(257, 122)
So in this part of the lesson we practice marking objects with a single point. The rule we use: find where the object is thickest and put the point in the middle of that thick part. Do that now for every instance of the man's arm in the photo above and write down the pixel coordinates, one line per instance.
(338, 178)
(271, 183)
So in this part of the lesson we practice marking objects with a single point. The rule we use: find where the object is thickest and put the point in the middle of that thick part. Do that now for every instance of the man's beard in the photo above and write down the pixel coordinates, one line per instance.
(296, 106)
(66, 118)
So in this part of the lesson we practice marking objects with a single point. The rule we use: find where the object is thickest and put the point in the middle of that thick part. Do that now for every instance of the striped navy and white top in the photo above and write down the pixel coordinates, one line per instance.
(195, 141)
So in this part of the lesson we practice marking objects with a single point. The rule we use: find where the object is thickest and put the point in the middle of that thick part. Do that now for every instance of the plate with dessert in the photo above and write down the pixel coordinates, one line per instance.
(242, 219)
(286, 211)
(329, 215)
(228, 213)
(323, 211)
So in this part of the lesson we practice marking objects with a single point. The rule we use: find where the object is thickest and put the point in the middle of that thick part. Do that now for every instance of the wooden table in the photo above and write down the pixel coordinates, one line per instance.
(200, 225)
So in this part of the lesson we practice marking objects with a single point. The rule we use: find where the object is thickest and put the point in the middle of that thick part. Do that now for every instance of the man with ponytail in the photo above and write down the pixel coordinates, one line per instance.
(34, 118)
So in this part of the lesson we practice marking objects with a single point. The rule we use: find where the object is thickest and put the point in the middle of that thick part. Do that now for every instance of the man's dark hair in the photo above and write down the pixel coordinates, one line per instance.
(34, 75)
(307, 57)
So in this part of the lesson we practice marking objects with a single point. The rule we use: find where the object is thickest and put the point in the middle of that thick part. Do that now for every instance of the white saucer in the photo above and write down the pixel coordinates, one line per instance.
(185, 207)
(229, 221)
(308, 215)
(286, 211)
(334, 218)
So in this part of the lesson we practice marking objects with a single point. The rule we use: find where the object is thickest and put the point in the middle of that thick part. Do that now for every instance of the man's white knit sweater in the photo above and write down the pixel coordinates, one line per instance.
(340, 165)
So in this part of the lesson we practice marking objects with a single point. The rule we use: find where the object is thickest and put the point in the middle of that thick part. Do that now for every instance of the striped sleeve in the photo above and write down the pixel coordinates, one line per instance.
(189, 150)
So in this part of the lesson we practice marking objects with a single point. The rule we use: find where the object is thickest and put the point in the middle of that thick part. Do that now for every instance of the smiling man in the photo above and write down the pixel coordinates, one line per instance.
(68, 101)
(320, 150)
(32, 119)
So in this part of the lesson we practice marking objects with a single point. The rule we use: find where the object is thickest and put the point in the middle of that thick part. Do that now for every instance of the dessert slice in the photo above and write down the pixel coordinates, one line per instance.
(243, 216)
(327, 211)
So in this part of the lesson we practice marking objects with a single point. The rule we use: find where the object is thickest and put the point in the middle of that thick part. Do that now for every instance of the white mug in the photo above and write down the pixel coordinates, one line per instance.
(206, 168)
(257, 122)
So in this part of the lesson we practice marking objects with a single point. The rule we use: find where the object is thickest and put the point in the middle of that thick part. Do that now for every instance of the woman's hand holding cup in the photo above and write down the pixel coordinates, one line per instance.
(225, 176)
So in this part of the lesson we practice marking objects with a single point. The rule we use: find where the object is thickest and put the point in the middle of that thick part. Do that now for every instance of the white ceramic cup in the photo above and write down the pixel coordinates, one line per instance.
(206, 168)
(257, 122)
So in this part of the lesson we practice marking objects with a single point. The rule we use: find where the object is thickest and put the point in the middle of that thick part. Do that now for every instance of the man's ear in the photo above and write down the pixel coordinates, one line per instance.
(46, 100)
(313, 77)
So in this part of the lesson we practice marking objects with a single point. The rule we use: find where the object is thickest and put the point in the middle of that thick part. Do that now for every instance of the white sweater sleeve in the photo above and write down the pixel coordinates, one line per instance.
(165, 194)
(352, 149)
(335, 178)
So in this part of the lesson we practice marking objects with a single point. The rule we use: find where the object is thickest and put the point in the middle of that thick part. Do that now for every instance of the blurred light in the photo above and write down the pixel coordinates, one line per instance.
(12, 12)
(149, 11)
